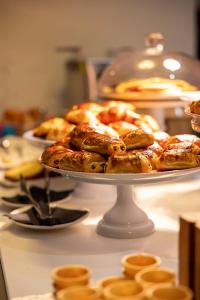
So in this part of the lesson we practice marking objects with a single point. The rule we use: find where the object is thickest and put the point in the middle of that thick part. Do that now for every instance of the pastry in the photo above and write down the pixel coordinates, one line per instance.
(53, 129)
(152, 86)
(91, 106)
(128, 163)
(177, 139)
(137, 139)
(177, 159)
(195, 107)
(117, 113)
(122, 127)
(82, 161)
(77, 116)
(86, 137)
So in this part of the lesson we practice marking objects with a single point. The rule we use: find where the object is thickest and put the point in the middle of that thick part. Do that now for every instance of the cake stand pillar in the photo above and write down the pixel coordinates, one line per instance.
(125, 219)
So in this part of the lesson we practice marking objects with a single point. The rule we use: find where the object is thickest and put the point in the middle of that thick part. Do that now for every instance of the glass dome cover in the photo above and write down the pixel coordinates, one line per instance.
(151, 74)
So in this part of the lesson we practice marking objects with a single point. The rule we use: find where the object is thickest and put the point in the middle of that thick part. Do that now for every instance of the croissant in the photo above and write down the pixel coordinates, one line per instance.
(137, 139)
(177, 159)
(128, 163)
(82, 161)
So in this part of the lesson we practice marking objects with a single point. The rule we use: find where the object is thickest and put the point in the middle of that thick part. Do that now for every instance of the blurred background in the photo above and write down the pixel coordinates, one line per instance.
(47, 47)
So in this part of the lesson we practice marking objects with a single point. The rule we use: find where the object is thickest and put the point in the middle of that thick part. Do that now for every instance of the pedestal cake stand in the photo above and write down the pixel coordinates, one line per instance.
(125, 219)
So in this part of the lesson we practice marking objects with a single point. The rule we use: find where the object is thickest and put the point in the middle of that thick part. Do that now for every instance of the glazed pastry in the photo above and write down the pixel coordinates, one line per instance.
(120, 104)
(149, 154)
(86, 137)
(177, 159)
(117, 113)
(91, 106)
(137, 139)
(177, 139)
(128, 163)
(82, 161)
(195, 107)
(122, 127)
(78, 116)
(53, 154)
(160, 136)
(52, 129)
(193, 147)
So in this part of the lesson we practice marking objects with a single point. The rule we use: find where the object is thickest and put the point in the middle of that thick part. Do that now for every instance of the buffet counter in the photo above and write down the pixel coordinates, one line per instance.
(29, 256)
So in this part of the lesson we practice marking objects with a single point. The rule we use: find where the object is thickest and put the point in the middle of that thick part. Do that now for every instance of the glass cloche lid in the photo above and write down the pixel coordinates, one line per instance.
(151, 73)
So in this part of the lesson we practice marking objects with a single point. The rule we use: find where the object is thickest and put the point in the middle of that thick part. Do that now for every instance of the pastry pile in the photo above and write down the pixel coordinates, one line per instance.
(150, 87)
(119, 141)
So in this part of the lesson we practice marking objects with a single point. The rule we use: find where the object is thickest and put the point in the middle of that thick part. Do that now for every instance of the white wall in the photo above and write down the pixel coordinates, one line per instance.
(31, 72)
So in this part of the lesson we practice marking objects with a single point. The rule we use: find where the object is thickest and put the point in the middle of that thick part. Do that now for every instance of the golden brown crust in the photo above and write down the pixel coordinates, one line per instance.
(177, 159)
(77, 116)
(195, 107)
(82, 161)
(122, 127)
(128, 163)
(178, 139)
(86, 138)
(53, 129)
(91, 106)
(137, 139)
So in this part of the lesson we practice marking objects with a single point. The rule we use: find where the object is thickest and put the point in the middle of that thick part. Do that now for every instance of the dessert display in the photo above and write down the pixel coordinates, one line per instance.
(113, 145)
(71, 282)
(151, 76)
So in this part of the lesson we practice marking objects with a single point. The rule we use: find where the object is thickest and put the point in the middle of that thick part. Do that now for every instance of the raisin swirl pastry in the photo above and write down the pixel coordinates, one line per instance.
(137, 139)
(128, 163)
(53, 154)
(86, 138)
(82, 161)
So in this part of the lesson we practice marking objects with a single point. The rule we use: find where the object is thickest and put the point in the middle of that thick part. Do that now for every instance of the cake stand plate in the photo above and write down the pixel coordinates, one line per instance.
(125, 220)
(28, 135)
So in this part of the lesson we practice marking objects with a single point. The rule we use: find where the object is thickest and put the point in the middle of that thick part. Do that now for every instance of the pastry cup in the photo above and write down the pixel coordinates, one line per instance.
(163, 292)
(78, 293)
(124, 290)
(103, 283)
(70, 275)
(134, 263)
(150, 277)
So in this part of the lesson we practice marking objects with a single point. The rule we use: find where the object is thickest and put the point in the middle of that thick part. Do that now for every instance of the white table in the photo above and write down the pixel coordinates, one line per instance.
(29, 256)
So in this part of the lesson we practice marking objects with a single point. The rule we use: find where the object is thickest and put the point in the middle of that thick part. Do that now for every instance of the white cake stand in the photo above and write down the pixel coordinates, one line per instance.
(125, 219)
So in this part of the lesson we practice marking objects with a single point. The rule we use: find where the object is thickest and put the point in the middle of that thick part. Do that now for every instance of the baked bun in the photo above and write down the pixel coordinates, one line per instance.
(137, 139)
(77, 116)
(128, 163)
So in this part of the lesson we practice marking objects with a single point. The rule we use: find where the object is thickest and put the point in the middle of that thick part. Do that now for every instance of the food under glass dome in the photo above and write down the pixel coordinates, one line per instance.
(151, 74)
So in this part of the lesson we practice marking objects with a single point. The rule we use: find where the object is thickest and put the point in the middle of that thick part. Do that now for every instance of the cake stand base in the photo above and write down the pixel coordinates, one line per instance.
(125, 220)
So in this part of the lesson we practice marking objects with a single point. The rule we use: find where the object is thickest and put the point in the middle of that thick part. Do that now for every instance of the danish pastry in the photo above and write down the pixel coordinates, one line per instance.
(137, 139)
(128, 163)
(82, 161)
(177, 159)
(195, 107)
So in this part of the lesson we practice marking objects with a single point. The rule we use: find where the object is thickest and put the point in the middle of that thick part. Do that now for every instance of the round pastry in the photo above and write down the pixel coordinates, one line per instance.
(195, 107)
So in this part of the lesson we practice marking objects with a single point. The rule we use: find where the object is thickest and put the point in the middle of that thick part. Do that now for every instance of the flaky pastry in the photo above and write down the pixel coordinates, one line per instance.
(137, 139)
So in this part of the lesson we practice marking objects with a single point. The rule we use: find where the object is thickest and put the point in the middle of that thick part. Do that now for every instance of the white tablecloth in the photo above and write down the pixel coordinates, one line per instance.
(29, 256)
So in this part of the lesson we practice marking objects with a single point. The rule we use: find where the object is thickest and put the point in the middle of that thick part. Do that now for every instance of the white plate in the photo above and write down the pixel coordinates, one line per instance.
(44, 227)
(28, 135)
(125, 178)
